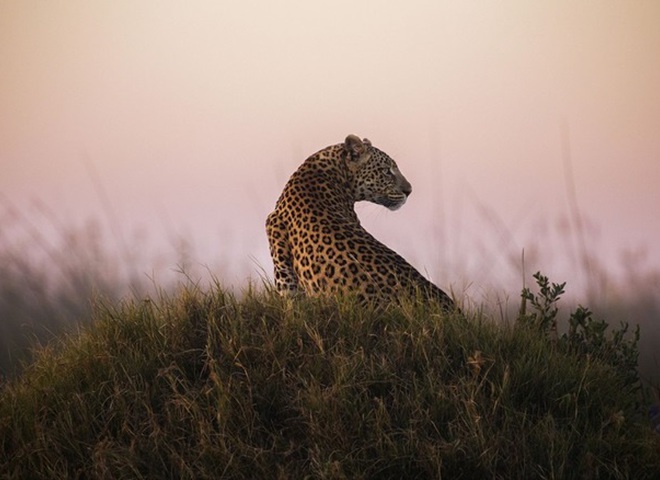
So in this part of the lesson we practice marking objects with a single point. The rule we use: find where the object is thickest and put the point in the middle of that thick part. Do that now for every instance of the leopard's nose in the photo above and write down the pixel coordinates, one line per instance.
(406, 188)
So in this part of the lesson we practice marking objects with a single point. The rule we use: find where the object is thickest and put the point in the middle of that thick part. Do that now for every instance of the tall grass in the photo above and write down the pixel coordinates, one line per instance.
(207, 385)
(47, 280)
(51, 271)
(201, 384)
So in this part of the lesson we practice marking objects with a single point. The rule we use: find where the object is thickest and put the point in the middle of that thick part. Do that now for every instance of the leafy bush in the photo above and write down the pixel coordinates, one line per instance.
(586, 337)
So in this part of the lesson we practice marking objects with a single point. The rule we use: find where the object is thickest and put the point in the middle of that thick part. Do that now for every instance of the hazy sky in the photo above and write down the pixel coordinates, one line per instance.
(190, 116)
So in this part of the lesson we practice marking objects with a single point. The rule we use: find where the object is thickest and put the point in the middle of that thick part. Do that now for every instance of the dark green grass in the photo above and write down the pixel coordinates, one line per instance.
(205, 385)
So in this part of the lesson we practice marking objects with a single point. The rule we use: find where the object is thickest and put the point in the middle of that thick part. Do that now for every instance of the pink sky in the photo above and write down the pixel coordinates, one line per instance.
(194, 114)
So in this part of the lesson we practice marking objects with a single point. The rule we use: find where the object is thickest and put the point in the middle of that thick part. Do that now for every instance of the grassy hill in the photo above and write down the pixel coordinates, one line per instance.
(207, 385)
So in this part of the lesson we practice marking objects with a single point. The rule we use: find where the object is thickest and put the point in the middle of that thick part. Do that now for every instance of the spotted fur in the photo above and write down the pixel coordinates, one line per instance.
(316, 241)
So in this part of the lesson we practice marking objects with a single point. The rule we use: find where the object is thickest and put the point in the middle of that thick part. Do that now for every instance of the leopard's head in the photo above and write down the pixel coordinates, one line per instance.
(375, 176)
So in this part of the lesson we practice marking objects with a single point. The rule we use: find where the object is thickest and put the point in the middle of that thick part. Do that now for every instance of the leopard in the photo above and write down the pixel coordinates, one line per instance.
(317, 243)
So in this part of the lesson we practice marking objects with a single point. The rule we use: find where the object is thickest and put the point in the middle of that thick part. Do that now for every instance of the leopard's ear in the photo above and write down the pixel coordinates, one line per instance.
(356, 147)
